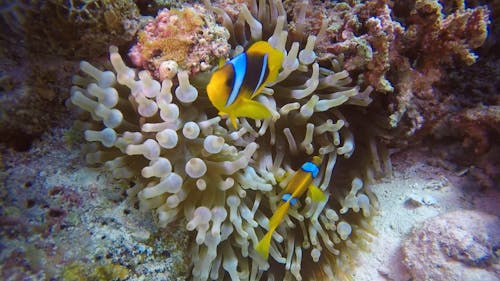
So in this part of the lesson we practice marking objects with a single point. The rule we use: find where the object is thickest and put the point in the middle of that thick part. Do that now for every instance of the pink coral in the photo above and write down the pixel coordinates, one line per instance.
(189, 36)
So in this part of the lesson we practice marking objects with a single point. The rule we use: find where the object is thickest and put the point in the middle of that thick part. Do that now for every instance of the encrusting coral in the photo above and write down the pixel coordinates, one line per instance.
(190, 163)
(180, 37)
(74, 28)
(39, 43)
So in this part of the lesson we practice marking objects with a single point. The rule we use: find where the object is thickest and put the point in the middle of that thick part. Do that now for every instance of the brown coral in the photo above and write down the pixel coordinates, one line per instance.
(406, 56)
(73, 28)
(430, 42)
(476, 124)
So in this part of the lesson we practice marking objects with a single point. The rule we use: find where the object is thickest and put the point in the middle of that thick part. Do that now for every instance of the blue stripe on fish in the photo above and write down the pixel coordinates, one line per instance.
(310, 167)
(262, 72)
(287, 196)
(239, 64)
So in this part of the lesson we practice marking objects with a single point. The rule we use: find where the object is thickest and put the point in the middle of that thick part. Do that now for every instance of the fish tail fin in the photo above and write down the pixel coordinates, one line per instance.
(265, 243)
(252, 109)
(316, 193)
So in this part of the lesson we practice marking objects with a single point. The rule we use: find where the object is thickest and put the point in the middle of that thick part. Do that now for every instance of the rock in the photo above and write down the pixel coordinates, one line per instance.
(460, 245)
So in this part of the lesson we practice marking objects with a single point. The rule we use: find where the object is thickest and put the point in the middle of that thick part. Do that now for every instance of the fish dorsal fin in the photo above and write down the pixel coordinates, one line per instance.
(222, 62)
(317, 195)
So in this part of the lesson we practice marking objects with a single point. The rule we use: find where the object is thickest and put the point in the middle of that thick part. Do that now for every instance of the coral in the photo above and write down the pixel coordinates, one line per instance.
(12, 15)
(188, 36)
(111, 272)
(190, 163)
(31, 95)
(475, 131)
(439, 40)
(35, 39)
(461, 109)
(463, 243)
(74, 29)
(400, 48)
(79, 271)
(465, 112)
(151, 7)
(60, 220)
(75, 272)
(476, 124)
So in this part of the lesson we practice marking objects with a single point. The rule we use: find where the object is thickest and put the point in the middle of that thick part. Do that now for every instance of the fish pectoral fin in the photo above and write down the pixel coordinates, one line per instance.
(252, 109)
(233, 121)
(317, 195)
(223, 114)
(231, 117)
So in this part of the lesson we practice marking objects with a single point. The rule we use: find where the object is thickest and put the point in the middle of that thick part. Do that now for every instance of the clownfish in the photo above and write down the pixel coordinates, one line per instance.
(233, 86)
(300, 182)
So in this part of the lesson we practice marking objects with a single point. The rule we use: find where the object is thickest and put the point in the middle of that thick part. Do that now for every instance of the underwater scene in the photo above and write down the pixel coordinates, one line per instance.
(250, 140)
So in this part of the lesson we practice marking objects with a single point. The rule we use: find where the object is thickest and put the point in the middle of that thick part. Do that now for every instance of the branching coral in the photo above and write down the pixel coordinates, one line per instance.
(431, 41)
(190, 163)
(397, 47)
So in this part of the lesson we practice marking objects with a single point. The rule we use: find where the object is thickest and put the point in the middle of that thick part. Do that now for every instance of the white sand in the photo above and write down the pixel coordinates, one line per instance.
(416, 192)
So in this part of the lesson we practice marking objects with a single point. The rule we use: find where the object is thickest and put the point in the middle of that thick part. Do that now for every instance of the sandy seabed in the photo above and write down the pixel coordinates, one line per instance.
(418, 192)
(58, 215)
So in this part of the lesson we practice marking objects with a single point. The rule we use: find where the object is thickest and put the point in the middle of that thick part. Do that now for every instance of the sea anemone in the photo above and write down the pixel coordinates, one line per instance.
(191, 164)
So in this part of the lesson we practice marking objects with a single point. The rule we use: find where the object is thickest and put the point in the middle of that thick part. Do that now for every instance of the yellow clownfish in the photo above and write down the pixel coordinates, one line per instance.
(233, 86)
(300, 182)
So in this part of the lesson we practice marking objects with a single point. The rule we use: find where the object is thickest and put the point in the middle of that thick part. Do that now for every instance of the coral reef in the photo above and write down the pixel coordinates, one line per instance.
(187, 38)
(456, 241)
(468, 112)
(419, 55)
(31, 95)
(39, 43)
(439, 41)
(154, 129)
(400, 48)
(190, 163)
(73, 29)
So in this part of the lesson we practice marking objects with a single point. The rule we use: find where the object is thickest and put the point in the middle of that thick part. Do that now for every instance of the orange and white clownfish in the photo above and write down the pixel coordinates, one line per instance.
(300, 182)
(233, 86)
